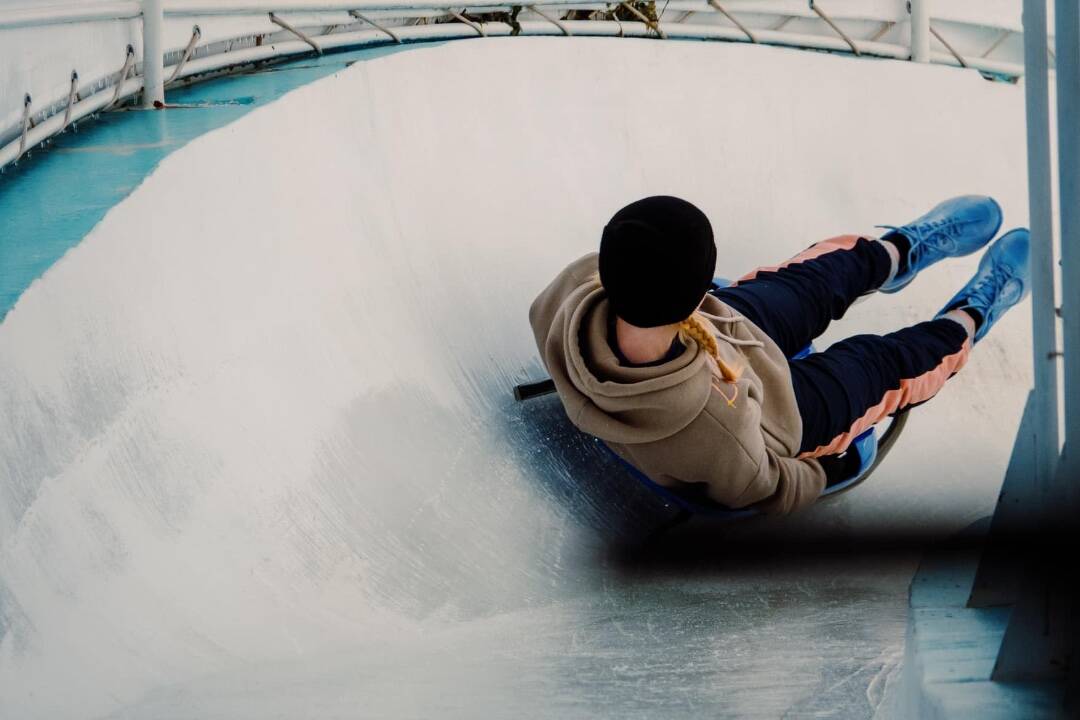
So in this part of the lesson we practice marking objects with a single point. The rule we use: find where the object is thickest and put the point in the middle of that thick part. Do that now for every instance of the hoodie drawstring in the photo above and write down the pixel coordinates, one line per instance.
(728, 338)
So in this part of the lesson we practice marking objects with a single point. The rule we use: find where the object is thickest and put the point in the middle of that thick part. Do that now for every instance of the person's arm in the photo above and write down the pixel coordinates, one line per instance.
(745, 472)
(797, 483)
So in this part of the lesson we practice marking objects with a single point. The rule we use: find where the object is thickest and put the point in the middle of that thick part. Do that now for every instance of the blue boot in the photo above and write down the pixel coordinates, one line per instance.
(1002, 280)
(954, 228)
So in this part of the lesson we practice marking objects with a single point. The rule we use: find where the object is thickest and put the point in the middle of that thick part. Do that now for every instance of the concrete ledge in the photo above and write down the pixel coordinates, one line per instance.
(950, 649)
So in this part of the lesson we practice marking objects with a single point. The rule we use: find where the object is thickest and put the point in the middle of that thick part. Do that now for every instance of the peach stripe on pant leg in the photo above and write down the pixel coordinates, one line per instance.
(911, 391)
(843, 242)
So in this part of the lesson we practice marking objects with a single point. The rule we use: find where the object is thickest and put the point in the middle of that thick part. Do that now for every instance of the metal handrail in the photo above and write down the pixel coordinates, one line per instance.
(359, 34)
(128, 10)
(67, 14)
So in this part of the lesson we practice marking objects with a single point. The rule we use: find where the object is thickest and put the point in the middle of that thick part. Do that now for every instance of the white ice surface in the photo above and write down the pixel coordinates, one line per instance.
(255, 427)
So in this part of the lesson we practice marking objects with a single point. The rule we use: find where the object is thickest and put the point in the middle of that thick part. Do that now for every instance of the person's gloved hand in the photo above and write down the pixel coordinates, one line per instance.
(839, 467)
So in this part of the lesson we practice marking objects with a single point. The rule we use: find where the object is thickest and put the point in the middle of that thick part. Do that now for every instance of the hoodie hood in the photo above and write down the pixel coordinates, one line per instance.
(627, 405)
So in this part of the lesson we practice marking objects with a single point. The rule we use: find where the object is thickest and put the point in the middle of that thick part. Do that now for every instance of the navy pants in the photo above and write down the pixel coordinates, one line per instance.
(860, 381)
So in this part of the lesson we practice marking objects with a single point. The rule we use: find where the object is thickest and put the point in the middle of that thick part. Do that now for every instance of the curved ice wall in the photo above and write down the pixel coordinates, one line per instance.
(262, 413)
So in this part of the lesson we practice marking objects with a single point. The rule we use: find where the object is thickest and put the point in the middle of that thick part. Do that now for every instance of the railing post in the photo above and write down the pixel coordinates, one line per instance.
(1026, 497)
(1067, 15)
(153, 22)
(1040, 203)
(920, 30)
(1039, 641)
(1068, 93)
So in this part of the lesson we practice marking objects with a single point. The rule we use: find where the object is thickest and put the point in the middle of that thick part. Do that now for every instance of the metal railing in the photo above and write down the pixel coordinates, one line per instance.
(277, 30)
(1025, 564)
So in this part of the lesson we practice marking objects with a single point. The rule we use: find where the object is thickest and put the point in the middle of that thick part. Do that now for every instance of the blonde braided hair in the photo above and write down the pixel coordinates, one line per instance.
(699, 330)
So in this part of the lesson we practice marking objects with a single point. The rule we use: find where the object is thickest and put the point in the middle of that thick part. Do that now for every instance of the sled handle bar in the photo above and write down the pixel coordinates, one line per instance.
(526, 391)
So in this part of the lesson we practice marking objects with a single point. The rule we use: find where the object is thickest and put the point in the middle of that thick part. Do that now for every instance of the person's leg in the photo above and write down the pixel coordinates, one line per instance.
(794, 303)
(858, 382)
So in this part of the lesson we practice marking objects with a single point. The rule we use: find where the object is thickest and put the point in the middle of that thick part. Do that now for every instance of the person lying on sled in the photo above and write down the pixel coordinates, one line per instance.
(695, 384)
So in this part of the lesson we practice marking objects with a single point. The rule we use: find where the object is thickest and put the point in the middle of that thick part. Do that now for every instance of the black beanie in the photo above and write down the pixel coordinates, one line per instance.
(657, 259)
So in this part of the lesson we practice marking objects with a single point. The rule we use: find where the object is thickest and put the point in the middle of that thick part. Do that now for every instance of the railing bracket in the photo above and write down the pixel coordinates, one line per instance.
(298, 33)
(461, 18)
(550, 19)
(821, 14)
(26, 124)
(720, 9)
(364, 18)
(125, 72)
(952, 51)
(655, 27)
(196, 35)
(73, 97)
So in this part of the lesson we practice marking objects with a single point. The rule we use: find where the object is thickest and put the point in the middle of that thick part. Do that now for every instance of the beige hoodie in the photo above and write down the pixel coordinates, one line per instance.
(677, 422)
